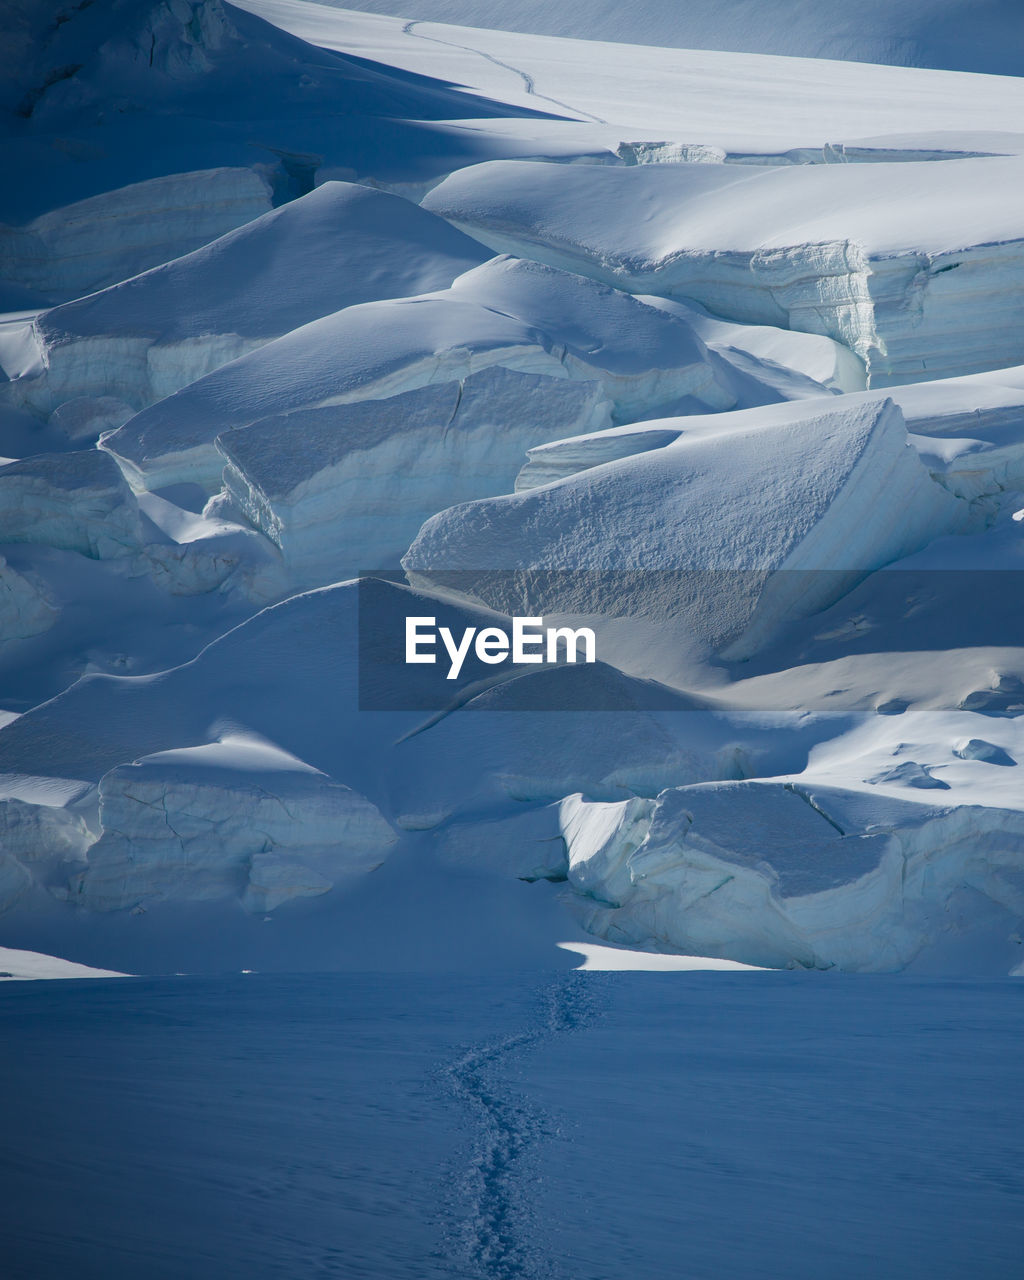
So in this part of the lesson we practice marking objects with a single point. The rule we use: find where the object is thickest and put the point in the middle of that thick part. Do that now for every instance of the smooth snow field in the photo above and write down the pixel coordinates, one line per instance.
(511, 639)
(565, 1125)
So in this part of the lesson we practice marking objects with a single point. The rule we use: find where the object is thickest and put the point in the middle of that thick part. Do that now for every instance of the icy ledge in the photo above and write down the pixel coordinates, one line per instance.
(915, 267)
(96, 242)
(774, 874)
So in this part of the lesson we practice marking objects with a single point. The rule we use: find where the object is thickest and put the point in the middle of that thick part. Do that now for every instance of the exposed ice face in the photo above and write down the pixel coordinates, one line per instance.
(346, 487)
(35, 833)
(234, 817)
(38, 842)
(834, 249)
(76, 501)
(106, 238)
(25, 610)
(784, 875)
(521, 315)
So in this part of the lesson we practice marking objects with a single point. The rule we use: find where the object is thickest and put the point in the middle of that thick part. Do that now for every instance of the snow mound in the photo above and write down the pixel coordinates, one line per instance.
(915, 267)
(292, 676)
(771, 873)
(824, 497)
(235, 817)
(340, 244)
(346, 487)
(521, 315)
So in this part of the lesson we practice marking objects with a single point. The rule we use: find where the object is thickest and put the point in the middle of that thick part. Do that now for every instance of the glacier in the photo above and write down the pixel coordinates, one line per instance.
(770, 534)
(457, 306)
(703, 332)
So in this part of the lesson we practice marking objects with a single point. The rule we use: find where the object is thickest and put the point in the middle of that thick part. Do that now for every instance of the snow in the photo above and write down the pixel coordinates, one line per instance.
(346, 487)
(95, 242)
(598, 959)
(77, 501)
(834, 249)
(28, 965)
(759, 350)
(919, 33)
(715, 350)
(231, 817)
(685, 95)
(246, 1121)
(144, 338)
(794, 876)
(964, 429)
(520, 315)
(738, 506)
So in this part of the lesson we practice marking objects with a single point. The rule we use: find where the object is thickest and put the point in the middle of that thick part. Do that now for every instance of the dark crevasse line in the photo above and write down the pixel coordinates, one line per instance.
(491, 1211)
(526, 78)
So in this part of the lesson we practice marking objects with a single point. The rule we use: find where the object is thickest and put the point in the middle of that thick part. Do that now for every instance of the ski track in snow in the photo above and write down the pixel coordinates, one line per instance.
(527, 79)
(492, 1227)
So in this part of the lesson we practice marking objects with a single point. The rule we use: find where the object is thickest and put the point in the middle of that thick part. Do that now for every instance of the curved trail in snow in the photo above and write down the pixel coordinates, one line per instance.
(494, 1233)
(527, 79)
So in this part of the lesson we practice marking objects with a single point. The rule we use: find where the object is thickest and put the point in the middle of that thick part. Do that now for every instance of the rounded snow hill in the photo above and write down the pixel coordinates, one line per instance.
(955, 35)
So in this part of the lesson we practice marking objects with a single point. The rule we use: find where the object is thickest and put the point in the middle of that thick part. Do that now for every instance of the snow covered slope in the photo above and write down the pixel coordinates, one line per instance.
(776, 520)
(790, 108)
(954, 34)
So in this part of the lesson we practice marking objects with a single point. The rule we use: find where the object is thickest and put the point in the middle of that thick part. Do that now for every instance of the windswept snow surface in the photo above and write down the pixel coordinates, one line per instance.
(980, 35)
(398, 1127)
